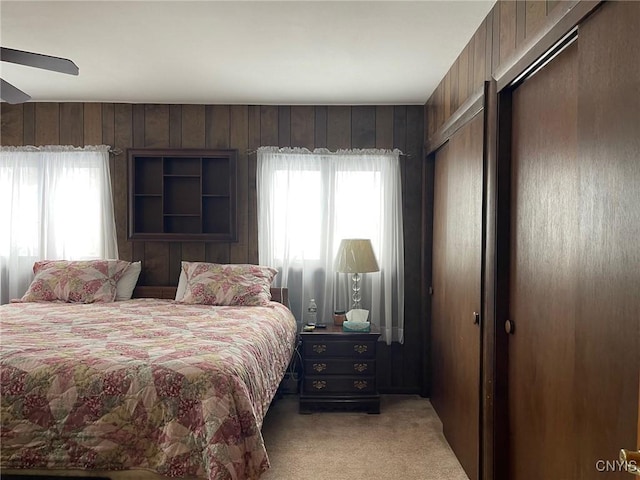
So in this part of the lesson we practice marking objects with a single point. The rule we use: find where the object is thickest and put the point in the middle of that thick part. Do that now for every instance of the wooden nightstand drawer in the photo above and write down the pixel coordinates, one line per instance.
(341, 348)
(331, 384)
(339, 370)
(329, 366)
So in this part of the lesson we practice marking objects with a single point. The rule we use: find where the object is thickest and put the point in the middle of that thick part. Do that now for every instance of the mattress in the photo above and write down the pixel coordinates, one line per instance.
(178, 390)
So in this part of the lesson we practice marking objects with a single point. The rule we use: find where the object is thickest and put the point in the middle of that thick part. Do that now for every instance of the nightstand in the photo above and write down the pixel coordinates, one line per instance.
(339, 370)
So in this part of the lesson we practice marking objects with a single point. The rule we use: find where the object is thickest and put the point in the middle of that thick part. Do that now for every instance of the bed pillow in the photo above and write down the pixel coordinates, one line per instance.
(221, 284)
(79, 281)
(182, 285)
(127, 282)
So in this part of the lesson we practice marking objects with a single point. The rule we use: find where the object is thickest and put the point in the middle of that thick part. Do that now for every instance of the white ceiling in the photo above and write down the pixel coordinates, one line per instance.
(239, 52)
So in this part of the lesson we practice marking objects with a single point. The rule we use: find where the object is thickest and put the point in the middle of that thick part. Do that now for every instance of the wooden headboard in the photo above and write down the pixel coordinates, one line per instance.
(280, 295)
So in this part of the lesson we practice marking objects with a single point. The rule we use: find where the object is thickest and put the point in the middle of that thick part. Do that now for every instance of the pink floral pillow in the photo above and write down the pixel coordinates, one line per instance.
(219, 284)
(86, 281)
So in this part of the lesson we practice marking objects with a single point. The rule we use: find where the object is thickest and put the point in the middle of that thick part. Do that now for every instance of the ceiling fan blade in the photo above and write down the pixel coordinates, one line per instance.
(11, 94)
(56, 64)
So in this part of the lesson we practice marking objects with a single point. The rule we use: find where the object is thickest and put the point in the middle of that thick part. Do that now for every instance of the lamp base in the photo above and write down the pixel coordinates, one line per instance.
(355, 296)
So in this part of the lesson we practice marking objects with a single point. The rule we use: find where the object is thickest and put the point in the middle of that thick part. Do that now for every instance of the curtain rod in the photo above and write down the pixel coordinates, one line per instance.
(402, 154)
(61, 148)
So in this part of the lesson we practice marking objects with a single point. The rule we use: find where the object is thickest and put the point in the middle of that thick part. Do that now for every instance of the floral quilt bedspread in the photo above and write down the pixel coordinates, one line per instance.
(178, 389)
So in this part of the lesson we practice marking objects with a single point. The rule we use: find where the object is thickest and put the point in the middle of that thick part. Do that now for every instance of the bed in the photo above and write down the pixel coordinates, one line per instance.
(140, 388)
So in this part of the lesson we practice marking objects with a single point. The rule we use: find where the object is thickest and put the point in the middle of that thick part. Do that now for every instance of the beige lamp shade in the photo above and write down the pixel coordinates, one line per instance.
(355, 255)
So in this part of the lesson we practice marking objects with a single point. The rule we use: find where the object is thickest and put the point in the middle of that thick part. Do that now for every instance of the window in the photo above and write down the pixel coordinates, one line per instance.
(308, 202)
(56, 204)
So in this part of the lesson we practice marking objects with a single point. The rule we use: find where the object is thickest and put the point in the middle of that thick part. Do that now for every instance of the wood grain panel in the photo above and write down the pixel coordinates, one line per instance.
(440, 111)
(213, 252)
(71, 124)
(430, 118)
(217, 129)
(155, 263)
(400, 128)
(363, 126)
(11, 124)
(502, 38)
(453, 86)
(508, 24)
(470, 74)
(321, 127)
(197, 252)
(108, 132)
(545, 232)
(29, 123)
(338, 127)
(303, 127)
(552, 4)
(608, 316)
(137, 137)
(92, 114)
(156, 126)
(47, 124)
(412, 215)
(492, 39)
(138, 125)
(463, 75)
(479, 57)
(269, 126)
(239, 138)
(284, 126)
(254, 144)
(108, 124)
(521, 20)
(446, 95)
(218, 134)
(123, 138)
(536, 13)
(175, 125)
(175, 262)
(193, 126)
(384, 127)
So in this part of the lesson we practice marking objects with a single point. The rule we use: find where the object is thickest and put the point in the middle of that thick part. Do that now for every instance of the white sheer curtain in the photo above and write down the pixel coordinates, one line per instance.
(308, 202)
(55, 203)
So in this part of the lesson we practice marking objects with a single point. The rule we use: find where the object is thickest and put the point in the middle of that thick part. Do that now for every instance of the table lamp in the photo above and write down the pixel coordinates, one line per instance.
(356, 256)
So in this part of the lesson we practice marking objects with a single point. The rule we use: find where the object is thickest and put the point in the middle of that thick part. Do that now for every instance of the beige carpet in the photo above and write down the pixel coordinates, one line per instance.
(404, 442)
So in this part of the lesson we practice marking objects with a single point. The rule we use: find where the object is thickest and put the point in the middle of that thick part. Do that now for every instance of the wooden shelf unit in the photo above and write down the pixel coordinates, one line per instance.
(182, 195)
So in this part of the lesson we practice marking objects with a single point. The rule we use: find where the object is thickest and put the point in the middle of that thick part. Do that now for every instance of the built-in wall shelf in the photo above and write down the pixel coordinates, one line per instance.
(182, 195)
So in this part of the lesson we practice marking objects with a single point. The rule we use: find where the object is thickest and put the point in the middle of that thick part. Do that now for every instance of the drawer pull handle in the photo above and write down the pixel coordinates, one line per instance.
(319, 348)
(360, 367)
(360, 348)
(319, 384)
(360, 384)
(319, 367)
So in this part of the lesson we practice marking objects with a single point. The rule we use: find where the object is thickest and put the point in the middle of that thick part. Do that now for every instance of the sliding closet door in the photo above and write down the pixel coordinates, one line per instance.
(455, 332)
(574, 347)
(544, 255)
(608, 319)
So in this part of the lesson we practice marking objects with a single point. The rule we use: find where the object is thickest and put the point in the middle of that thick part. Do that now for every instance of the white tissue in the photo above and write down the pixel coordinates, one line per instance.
(358, 315)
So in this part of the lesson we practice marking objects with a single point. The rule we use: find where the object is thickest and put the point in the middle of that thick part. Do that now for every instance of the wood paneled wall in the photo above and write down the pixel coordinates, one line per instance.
(245, 128)
(507, 27)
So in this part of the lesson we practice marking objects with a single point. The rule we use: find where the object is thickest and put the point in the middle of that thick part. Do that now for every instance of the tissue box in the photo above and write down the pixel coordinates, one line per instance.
(354, 326)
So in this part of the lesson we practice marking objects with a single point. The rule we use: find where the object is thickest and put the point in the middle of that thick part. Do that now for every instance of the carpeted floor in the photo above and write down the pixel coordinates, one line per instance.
(404, 442)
